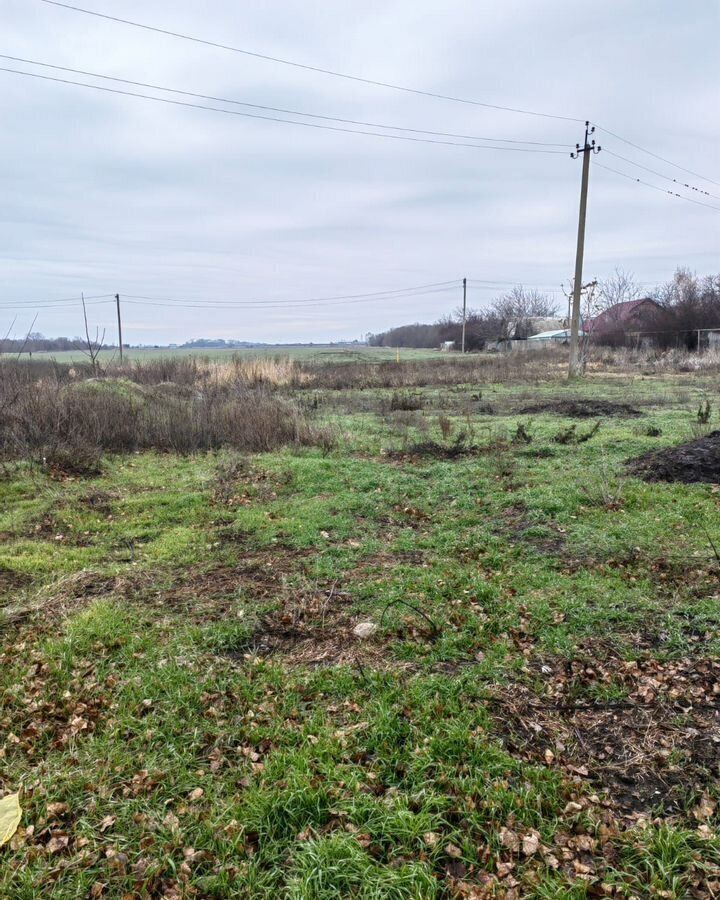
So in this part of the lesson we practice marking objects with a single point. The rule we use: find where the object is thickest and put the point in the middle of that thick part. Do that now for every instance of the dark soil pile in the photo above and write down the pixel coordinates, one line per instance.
(694, 461)
(583, 409)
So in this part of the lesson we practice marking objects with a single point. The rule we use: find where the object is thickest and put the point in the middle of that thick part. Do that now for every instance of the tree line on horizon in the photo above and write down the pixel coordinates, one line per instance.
(684, 304)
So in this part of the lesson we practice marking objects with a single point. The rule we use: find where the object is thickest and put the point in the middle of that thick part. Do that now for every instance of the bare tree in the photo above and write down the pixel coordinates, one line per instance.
(522, 303)
(618, 288)
(517, 307)
(93, 346)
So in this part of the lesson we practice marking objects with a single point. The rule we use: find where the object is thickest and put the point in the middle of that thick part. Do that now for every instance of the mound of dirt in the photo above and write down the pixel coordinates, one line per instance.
(692, 462)
(583, 409)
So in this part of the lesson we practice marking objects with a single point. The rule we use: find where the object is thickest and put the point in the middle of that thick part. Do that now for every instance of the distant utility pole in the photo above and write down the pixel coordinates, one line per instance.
(587, 149)
(464, 313)
(120, 344)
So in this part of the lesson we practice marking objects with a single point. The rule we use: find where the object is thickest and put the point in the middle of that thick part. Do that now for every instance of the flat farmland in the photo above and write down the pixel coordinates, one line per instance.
(308, 352)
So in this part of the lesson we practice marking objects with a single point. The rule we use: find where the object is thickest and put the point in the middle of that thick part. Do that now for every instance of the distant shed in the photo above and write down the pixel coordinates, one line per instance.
(560, 336)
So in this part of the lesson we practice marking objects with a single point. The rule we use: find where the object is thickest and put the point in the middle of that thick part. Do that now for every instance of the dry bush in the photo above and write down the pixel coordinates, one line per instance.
(652, 361)
(50, 417)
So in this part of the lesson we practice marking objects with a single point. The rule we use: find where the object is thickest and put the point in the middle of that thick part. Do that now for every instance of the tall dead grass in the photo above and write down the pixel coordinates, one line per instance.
(68, 417)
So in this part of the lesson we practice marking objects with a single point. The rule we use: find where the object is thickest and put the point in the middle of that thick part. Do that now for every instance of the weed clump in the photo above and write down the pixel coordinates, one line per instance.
(572, 436)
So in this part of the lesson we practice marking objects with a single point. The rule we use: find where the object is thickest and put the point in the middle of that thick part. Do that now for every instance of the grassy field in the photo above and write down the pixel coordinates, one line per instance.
(310, 352)
(188, 711)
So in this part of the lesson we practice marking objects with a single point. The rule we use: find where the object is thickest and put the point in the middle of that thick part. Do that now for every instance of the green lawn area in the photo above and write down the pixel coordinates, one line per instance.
(188, 712)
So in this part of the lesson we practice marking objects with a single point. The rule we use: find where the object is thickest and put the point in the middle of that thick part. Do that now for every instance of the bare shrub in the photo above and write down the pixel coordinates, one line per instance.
(48, 416)
(445, 426)
(604, 487)
(406, 401)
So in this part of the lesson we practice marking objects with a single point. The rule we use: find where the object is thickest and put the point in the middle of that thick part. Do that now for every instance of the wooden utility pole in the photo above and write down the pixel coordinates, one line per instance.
(575, 368)
(464, 313)
(120, 342)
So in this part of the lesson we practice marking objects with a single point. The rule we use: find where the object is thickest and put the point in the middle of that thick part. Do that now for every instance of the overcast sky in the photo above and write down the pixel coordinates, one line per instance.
(104, 193)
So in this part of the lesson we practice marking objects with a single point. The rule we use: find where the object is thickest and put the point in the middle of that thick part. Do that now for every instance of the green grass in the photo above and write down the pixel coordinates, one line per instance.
(161, 751)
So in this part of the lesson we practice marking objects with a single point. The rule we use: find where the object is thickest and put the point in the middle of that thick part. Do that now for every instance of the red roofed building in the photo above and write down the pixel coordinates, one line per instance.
(630, 317)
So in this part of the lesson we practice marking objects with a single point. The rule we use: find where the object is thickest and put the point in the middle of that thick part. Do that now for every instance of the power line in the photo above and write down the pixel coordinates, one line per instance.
(52, 304)
(247, 115)
(33, 306)
(179, 303)
(656, 188)
(292, 112)
(650, 153)
(309, 68)
(363, 80)
(405, 290)
(516, 282)
(689, 187)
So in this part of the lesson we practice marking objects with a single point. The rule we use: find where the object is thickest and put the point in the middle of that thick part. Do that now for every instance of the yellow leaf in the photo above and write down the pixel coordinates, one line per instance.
(10, 813)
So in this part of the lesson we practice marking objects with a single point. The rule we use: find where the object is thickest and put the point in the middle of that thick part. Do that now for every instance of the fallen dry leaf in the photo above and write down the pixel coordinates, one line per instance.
(10, 813)
(509, 840)
(704, 809)
(107, 822)
(55, 810)
(171, 821)
(530, 843)
(57, 844)
(196, 794)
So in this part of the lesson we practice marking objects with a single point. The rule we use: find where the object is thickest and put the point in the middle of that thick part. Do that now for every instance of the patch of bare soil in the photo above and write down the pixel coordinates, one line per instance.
(694, 461)
(517, 527)
(238, 483)
(655, 751)
(309, 624)
(68, 595)
(203, 595)
(433, 450)
(315, 629)
(12, 580)
(583, 409)
(100, 501)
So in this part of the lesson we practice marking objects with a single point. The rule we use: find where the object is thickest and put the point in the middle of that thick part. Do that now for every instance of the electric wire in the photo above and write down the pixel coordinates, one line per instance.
(655, 155)
(49, 304)
(291, 112)
(309, 68)
(247, 115)
(370, 81)
(656, 188)
(179, 303)
(31, 306)
(684, 184)
(371, 294)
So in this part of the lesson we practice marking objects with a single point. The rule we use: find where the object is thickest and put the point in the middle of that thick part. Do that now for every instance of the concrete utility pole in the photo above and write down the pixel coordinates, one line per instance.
(120, 342)
(575, 368)
(464, 313)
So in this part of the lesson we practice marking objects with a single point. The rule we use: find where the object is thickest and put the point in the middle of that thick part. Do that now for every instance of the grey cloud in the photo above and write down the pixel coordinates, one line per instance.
(105, 193)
